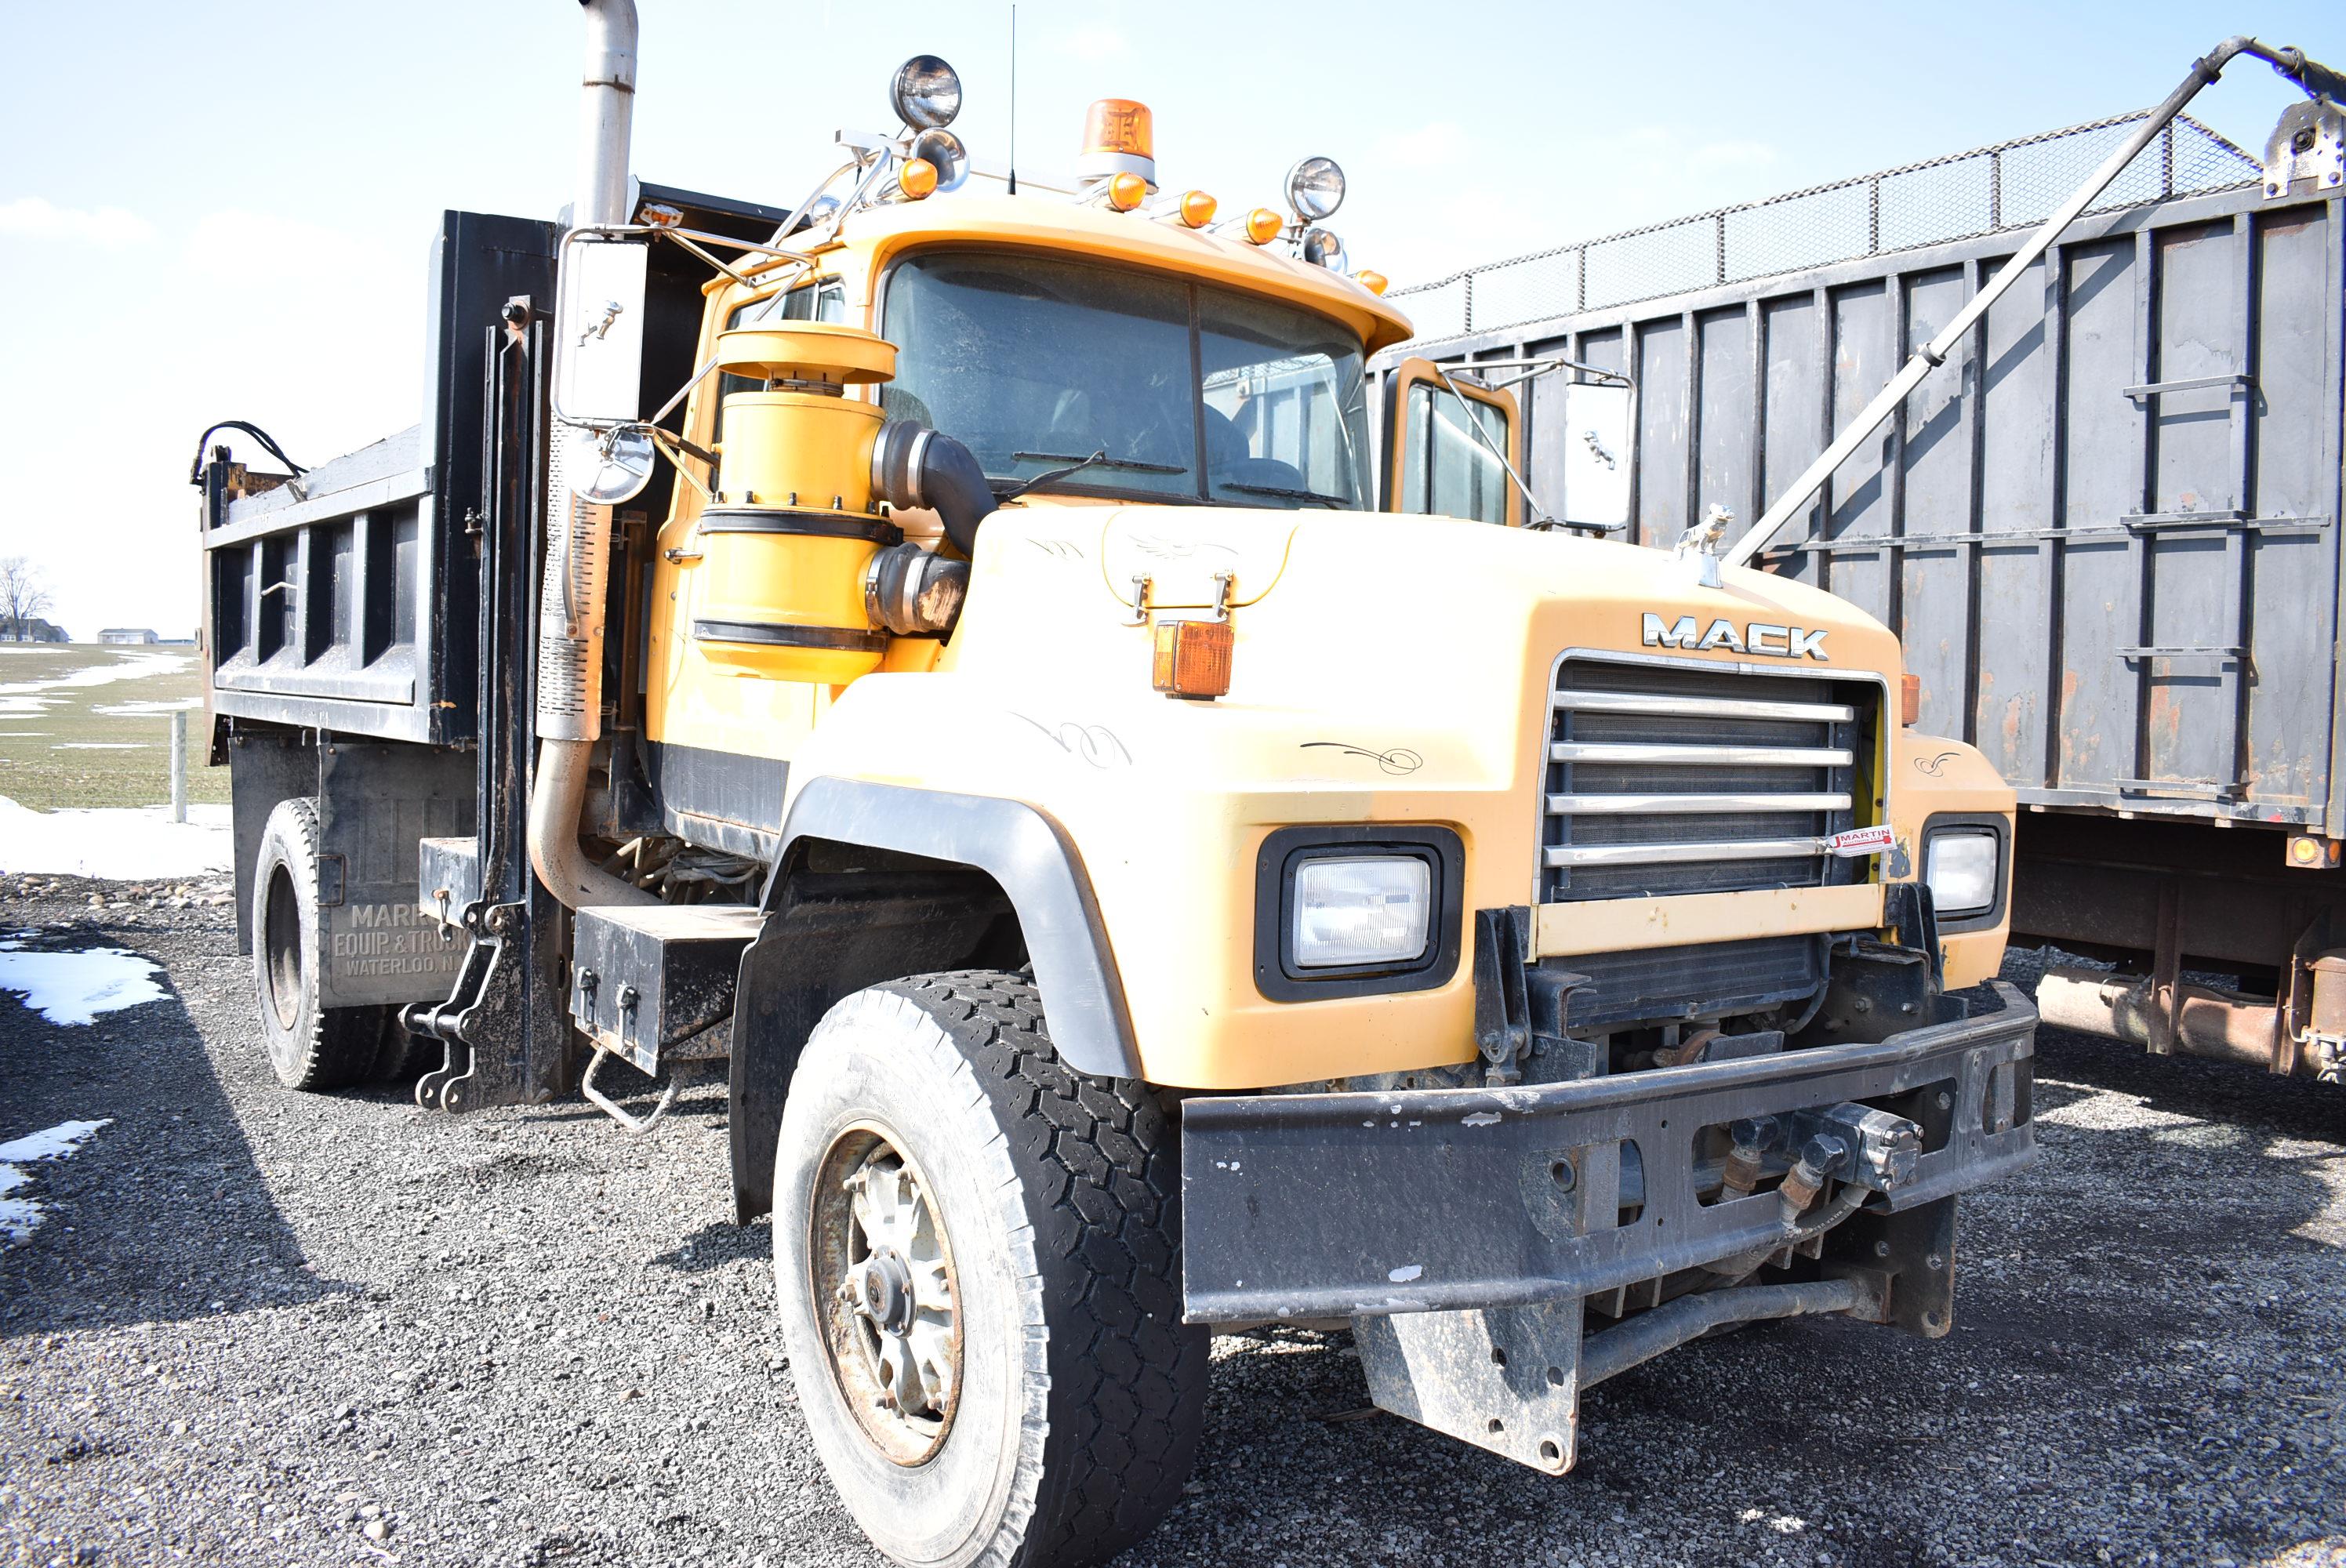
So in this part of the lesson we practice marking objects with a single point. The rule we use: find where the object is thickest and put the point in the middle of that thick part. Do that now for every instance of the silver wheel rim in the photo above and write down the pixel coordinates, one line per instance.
(885, 1291)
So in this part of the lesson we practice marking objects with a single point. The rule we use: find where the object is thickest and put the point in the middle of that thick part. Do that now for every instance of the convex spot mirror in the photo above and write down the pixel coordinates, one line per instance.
(943, 151)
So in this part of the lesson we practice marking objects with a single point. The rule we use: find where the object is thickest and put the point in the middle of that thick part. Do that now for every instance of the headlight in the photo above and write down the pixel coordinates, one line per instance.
(1375, 910)
(1962, 866)
(1357, 910)
(1315, 188)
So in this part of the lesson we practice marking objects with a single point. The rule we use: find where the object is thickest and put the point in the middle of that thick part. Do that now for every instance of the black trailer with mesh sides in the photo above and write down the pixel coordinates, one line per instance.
(2106, 529)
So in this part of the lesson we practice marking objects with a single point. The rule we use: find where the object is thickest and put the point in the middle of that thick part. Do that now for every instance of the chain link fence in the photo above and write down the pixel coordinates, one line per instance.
(2011, 185)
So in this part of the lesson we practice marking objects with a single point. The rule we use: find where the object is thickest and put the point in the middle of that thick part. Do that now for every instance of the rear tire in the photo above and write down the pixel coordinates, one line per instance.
(1034, 1271)
(311, 1046)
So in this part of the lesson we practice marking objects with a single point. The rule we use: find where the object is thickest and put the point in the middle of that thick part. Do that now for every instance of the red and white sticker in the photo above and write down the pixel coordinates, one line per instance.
(1859, 843)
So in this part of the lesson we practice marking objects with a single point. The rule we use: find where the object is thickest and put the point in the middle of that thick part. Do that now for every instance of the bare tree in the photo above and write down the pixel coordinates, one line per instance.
(22, 598)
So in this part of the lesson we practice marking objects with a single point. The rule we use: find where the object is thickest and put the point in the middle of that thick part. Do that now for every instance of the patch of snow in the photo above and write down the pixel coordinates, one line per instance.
(20, 1217)
(75, 987)
(100, 746)
(24, 734)
(145, 707)
(119, 845)
(51, 1143)
(125, 667)
(1406, 1273)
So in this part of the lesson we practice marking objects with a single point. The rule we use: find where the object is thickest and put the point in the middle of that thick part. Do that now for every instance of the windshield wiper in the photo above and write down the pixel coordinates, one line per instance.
(1342, 503)
(1100, 459)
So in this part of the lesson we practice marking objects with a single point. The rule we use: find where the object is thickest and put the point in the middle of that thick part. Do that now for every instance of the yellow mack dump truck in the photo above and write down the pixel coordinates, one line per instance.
(941, 652)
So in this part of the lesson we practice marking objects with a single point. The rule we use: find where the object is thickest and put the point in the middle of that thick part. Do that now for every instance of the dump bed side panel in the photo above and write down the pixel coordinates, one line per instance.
(348, 601)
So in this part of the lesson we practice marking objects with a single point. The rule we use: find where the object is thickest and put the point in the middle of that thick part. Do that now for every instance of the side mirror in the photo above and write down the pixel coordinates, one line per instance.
(598, 367)
(1599, 432)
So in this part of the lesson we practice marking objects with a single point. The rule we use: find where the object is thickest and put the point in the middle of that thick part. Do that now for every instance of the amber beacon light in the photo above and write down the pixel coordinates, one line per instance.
(1118, 138)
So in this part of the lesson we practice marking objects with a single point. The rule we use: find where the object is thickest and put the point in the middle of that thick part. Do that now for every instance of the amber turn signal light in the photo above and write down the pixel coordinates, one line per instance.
(1374, 282)
(1197, 208)
(1262, 225)
(1909, 699)
(1193, 659)
(1127, 191)
(2309, 852)
(917, 178)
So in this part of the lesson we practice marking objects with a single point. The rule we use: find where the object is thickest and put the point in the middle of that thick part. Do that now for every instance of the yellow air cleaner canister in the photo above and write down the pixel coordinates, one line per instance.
(793, 528)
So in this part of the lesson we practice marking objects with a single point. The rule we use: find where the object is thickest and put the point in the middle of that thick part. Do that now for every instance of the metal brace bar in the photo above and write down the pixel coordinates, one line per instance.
(2153, 388)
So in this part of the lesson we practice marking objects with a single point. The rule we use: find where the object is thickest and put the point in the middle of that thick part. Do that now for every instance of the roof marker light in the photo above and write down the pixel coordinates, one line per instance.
(1374, 282)
(917, 178)
(1127, 191)
(1263, 226)
(1197, 208)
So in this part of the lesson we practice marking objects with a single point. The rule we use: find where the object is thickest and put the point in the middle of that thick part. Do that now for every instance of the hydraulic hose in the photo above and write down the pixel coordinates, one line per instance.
(914, 467)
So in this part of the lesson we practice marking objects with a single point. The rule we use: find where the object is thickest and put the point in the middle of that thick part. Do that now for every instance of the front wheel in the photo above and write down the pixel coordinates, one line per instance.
(976, 1254)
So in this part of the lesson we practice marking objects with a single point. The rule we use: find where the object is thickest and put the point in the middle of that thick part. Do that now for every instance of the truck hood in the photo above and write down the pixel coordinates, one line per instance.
(1434, 577)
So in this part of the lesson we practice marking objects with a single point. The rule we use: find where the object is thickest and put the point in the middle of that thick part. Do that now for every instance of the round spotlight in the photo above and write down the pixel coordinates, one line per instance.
(1322, 248)
(944, 151)
(927, 93)
(1315, 188)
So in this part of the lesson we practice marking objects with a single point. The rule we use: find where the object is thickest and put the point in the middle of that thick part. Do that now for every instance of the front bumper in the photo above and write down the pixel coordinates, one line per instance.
(1431, 1200)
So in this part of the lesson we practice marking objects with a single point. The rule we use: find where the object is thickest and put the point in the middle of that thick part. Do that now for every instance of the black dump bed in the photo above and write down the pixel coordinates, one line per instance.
(350, 600)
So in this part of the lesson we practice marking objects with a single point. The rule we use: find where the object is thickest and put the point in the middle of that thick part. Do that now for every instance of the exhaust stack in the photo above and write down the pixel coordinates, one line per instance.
(577, 542)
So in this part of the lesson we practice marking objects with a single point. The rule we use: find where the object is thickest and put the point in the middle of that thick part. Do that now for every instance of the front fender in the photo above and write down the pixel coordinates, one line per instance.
(1937, 777)
(1030, 857)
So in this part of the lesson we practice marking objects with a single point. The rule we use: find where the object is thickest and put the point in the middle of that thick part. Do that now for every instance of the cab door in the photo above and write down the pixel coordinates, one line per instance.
(1443, 446)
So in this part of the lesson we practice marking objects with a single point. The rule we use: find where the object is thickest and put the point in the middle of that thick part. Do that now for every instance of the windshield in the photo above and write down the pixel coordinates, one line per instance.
(1037, 364)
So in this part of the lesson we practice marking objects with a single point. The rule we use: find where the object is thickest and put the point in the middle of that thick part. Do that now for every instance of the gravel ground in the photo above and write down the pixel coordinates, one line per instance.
(277, 1329)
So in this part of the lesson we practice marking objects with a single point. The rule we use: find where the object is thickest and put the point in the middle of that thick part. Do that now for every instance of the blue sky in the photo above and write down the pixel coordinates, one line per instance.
(221, 210)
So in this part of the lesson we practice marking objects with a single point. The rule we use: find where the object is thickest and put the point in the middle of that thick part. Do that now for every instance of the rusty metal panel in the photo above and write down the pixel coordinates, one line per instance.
(1794, 419)
(2294, 577)
(1659, 509)
(1858, 497)
(1725, 437)
(2100, 479)
(2011, 692)
(1934, 502)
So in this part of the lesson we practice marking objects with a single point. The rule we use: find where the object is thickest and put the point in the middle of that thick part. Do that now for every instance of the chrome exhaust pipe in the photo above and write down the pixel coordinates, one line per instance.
(577, 534)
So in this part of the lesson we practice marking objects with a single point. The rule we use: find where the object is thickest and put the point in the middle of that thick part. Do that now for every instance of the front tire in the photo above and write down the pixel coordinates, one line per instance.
(311, 1046)
(986, 1327)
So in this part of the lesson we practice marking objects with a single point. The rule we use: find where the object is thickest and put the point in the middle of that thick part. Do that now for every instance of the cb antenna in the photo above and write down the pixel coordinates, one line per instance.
(1013, 100)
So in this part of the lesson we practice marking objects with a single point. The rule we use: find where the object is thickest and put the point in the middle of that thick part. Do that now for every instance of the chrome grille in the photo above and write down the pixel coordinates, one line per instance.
(1684, 779)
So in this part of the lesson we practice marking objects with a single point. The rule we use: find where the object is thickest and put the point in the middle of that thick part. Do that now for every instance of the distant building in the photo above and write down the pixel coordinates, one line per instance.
(128, 634)
(34, 630)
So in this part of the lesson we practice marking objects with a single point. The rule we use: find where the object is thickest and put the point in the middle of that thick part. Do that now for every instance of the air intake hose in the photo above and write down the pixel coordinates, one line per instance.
(913, 465)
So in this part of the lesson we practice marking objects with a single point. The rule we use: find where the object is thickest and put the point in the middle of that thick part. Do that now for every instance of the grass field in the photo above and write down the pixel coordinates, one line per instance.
(87, 726)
